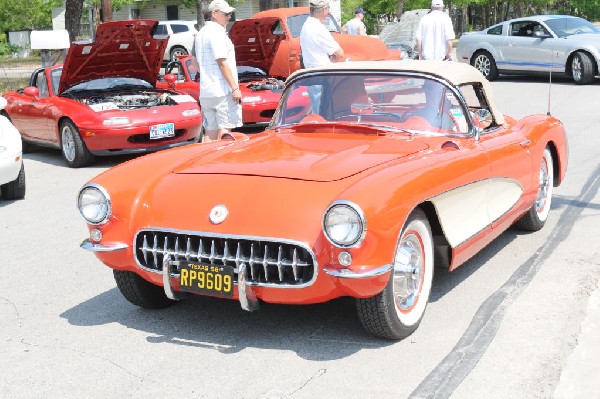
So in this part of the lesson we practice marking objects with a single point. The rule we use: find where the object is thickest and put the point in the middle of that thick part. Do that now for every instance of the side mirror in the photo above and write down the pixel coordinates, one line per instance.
(32, 91)
(483, 119)
(541, 34)
(170, 78)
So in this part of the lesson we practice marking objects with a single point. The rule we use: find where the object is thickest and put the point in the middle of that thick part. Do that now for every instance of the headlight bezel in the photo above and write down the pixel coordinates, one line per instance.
(360, 218)
(107, 203)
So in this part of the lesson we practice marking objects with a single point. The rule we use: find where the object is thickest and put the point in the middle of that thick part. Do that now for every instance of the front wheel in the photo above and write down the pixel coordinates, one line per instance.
(141, 292)
(396, 312)
(582, 68)
(15, 189)
(536, 216)
(484, 63)
(74, 151)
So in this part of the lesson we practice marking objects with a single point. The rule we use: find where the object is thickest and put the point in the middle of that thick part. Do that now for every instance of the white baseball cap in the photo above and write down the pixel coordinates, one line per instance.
(220, 5)
(437, 3)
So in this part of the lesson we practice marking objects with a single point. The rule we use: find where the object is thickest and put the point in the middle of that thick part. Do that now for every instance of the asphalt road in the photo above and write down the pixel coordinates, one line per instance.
(516, 321)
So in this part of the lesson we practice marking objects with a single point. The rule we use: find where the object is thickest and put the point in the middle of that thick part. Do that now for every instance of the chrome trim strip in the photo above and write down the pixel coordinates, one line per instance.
(104, 247)
(345, 273)
(251, 264)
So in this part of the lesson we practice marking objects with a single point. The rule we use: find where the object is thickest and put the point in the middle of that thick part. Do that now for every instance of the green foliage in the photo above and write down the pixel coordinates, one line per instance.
(18, 15)
(8, 49)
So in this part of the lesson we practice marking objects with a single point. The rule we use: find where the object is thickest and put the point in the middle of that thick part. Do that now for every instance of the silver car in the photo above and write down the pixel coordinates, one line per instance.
(542, 43)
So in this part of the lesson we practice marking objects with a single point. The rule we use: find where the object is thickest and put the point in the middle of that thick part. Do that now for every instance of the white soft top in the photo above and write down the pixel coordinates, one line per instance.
(457, 73)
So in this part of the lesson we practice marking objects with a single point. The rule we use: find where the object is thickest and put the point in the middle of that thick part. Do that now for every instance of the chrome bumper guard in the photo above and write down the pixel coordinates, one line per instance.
(345, 273)
(248, 299)
(106, 247)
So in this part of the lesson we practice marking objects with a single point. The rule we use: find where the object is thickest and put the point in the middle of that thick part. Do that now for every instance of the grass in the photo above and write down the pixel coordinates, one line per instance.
(12, 84)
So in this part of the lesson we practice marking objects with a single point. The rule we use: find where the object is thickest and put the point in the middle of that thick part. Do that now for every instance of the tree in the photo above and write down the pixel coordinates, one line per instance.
(73, 10)
(18, 15)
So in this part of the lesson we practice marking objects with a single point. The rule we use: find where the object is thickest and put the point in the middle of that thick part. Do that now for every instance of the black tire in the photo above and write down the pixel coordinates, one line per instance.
(15, 189)
(396, 312)
(175, 51)
(73, 149)
(536, 216)
(582, 68)
(484, 63)
(140, 292)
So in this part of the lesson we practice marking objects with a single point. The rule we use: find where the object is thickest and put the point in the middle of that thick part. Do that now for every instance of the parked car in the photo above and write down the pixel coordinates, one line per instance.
(272, 38)
(391, 168)
(103, 100)
(181, 37)
(260, 93)
(12, 170)
(561, 44)
(401, 34)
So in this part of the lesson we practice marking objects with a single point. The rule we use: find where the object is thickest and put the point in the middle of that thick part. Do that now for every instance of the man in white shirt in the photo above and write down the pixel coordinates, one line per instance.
(318, 46)
(220, 96)
(356, 26)
(316, 43)
(435, 34)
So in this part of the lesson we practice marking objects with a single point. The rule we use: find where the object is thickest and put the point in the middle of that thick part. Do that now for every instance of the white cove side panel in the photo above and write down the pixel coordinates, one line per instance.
(467, 210)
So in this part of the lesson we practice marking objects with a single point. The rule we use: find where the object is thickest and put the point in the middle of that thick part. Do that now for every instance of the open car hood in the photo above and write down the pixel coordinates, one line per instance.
(316, 156)
(254, 41)
(121, 48)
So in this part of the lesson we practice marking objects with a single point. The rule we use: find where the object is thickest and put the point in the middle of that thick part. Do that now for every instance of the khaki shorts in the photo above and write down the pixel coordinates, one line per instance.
(221, 113)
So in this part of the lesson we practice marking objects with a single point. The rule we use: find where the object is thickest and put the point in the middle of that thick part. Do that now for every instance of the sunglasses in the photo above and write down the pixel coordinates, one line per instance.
(229, 14)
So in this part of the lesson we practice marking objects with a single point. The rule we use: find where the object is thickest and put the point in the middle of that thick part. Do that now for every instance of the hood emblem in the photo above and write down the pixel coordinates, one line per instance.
(218, 214)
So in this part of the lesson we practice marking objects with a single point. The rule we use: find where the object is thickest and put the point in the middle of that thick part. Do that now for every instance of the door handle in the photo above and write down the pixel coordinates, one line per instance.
(525, 143)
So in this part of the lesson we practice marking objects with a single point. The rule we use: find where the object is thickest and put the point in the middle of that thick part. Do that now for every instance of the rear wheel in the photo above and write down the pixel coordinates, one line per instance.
(537, 215)
(15, 189)
(176, 52)
(484, 63)
(582, 68)
(140, 292)
(74, 151)
(396, 312)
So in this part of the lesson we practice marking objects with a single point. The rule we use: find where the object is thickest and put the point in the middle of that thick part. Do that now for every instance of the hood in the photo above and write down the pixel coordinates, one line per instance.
(588, 38)
(121, 48)
(254, 41)
(315, 156)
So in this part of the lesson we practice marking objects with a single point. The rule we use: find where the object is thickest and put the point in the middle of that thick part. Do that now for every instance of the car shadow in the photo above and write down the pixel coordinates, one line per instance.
(53, 156)
(540, 78)
(319, 332)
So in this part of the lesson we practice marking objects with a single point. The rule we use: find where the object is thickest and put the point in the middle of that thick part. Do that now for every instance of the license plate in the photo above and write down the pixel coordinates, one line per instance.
(206, 279)
(161, 131)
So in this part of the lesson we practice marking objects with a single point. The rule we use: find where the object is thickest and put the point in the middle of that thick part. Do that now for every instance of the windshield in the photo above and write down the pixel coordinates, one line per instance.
(295, 23)
(395, 101)
(564, 27)
(110, 84)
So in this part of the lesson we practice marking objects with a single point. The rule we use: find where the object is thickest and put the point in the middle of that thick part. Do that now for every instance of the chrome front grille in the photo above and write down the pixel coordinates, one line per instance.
(269, 261)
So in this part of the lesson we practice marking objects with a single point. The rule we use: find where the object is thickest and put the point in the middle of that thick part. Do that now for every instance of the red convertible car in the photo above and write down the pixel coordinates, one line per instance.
(102, 101)
(260, 93)
(389, 169)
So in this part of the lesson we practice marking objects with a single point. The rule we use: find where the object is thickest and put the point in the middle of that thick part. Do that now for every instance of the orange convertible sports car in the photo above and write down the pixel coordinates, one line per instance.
(388, 169)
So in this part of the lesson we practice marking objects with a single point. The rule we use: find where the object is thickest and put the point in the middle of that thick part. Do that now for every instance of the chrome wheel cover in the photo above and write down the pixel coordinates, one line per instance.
(176, 53)
(408, 272)
(68, 143)
(576, 68)
(544, 186)
(482, 63)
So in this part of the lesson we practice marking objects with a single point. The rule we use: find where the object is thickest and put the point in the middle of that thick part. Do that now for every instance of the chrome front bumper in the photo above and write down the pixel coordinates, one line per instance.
(345, 273)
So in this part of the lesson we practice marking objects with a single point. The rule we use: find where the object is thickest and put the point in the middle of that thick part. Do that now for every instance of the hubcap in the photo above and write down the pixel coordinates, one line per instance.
(540, 201)
(68, 143)
(482, 63)
(576, 67)
(408, 272)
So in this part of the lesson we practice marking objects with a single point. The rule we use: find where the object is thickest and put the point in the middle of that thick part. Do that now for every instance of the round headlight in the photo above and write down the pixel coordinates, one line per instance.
(344, 224)
(94, 204)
